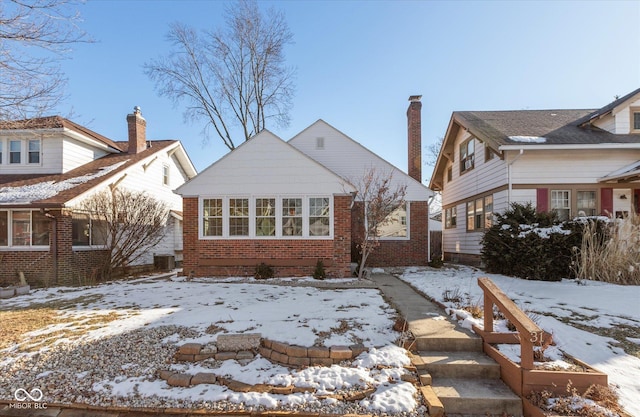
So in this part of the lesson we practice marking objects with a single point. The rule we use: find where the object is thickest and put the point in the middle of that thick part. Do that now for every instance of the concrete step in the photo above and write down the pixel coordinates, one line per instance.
(454, 342)
(476, 397)
(458, 365)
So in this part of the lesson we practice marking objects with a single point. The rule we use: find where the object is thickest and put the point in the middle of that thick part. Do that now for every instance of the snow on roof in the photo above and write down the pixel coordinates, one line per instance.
(47, 189)
(528, 139)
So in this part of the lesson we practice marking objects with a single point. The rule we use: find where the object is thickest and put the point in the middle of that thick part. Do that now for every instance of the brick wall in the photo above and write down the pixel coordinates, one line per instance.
(291, 257)
(396, 252)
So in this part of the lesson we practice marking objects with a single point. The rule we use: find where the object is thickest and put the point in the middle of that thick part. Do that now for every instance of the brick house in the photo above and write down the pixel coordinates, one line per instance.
(581, 162)
(288, 204)
(48, 166)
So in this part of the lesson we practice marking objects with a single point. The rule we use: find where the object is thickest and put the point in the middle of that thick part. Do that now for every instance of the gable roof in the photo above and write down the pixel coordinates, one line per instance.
(265, 164)
(350, 159)
(609, 107)
(541, 129)
(23, 191)
(58, 122)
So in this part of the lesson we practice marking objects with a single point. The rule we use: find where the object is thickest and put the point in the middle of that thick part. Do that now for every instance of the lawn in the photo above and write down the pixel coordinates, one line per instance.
(104, 345)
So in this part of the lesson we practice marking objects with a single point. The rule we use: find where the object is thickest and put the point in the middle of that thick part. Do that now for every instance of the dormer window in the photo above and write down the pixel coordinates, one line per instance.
(15, 148)
(34, 151)
(635, 120)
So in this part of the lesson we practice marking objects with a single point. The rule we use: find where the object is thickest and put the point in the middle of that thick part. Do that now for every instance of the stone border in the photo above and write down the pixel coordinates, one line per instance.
(245, 346)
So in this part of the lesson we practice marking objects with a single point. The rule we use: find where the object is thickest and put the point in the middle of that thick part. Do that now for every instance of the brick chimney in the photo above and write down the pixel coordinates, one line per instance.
(414, 128)
(137, 131)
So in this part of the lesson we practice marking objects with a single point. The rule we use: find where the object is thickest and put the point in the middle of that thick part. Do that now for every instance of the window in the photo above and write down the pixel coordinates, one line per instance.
(467, 151)
(635, 120)
(449, 174)
(561, 203)
(480, 213)
(451, 217)
(1, 147)
(4, 228)
(488, 153)
(212, 217)
(15, 146)
(586, 203)
(238, 217)
(395, 224)
(292, 217)
(320, 143)
(488, 211)
(24, 228)
(165, 175)
(87, 230)
(265, 216)
(34, 151)
(319, 217)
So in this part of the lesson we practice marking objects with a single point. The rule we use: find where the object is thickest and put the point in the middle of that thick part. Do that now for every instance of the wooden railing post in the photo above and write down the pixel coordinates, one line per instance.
(488, 312)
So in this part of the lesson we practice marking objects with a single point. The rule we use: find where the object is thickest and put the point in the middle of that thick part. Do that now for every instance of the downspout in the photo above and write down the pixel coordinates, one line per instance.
(429, 201)
(509, 176)
(54, 245)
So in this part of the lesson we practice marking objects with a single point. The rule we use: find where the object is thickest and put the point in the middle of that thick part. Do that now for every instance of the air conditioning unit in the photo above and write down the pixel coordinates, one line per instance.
(164, 262)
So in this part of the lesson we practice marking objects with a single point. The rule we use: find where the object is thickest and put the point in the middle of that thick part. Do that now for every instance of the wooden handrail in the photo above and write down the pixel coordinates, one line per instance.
(529, 333)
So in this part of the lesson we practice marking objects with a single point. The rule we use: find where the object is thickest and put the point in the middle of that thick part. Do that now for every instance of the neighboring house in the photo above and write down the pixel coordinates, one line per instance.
(48, 166)
(288, 204)
(576, 162)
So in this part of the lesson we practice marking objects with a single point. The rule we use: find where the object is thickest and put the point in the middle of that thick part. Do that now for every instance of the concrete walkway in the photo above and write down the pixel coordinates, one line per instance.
(426, 319)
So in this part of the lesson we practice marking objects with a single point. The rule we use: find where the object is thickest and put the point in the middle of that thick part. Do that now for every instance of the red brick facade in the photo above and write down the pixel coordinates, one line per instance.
(288, 257)
(58, 265)
(396, 252)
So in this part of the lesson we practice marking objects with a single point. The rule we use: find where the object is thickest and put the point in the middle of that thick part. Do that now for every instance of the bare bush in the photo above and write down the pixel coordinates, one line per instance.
(612, 256)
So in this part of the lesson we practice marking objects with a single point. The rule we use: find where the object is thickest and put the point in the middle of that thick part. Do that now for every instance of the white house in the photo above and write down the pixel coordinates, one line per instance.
(290, 204)
(48, 166)
(576, 162)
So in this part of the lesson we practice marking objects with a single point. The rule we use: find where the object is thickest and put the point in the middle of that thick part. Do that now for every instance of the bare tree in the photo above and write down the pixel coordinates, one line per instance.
(380, 197)
(129, 223)
(231, 77)
(433, 150)
(34, 36)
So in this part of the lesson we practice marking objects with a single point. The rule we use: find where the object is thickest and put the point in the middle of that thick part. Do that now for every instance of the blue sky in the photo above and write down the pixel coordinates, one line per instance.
(358, 62)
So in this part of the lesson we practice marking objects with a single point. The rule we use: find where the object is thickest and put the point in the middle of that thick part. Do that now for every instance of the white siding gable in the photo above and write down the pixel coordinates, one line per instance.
(265, 164)
(623, 116)
(351, 160)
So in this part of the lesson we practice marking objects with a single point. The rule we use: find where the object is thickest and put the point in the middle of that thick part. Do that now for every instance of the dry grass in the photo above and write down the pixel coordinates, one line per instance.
(17, 323)
(614, 258)
(568, 405)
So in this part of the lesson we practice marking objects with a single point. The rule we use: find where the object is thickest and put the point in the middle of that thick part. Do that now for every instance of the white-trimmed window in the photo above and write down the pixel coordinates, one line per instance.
(319, 216)
(238, 217)
(165, 175)
(586, 203)
(635, 120)
(292, 217)
(23, 228)
(266, 217)
(15, 151)
(212, 217)
(561, 203)
(396, 224)
(33, 151)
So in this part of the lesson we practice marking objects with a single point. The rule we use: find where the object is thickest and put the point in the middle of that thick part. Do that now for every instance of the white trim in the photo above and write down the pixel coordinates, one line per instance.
(252, 217)
(571, 146)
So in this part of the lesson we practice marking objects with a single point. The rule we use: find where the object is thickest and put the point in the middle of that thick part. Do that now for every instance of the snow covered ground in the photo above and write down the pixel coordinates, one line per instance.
(116, 362)
(573, 313)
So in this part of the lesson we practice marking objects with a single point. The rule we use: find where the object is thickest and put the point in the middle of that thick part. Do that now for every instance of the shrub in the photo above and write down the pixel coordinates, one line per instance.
(263, 271)
(531, 245)
(319, 272)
